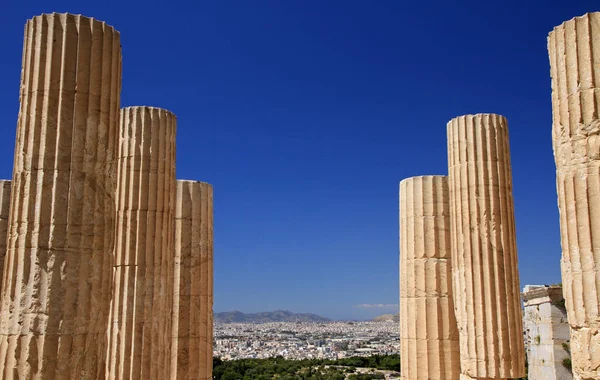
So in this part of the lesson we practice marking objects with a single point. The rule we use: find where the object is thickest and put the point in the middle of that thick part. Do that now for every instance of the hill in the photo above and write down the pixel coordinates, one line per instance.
(267, 316)
(387, 318)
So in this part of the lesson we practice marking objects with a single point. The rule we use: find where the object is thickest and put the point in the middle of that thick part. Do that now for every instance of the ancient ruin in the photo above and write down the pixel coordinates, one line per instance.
(107, 259)
(574, 63)
(193, 282)
(88, 222)
(428, 329)
(5, 187)
(139, 332)
(55, 302)
(484, 252)
(546, 333)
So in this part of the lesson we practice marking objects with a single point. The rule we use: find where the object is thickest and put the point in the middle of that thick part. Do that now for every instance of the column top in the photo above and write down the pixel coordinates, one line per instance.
(75, 15)
(574, 19)
(477, 116)
(422, 177)
(149, 108)
(190, 181)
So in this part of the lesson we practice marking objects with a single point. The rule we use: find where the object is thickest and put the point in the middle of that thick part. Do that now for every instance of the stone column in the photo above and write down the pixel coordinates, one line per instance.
(5, 187)
(575, 68)
(56, 292)
(484, 250)
(428, 330)
(192, 349)
(140, 330)
(547, 333)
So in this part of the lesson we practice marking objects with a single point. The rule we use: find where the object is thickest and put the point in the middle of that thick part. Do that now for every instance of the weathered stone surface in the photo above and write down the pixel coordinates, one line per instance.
(574, 49)
(429, 345)
(192, 347)
(484, 252)
(56, 295)
(5, 187)
(140, 329)
(546, 333)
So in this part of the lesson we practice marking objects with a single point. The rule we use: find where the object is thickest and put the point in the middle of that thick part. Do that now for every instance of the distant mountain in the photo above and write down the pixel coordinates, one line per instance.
(387, 318)
(268, 316)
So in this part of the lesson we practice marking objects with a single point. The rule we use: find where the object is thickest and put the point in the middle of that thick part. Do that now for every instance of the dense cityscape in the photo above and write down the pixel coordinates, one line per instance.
(305, 340)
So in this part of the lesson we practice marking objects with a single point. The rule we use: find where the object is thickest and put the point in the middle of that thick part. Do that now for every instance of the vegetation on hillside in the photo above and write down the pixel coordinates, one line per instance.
(307, 369)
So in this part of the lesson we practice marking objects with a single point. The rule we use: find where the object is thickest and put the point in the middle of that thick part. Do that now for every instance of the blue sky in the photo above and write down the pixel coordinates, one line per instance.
(305, 115)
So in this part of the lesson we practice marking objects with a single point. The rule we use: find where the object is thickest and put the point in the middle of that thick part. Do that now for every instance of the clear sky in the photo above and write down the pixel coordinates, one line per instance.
(306, 114)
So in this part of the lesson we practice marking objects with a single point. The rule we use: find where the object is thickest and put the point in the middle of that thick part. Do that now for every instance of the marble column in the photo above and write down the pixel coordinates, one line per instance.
(484, 250)
(192, 349)
(574, 49)
(5, 187)
(429, 346)
(56, 291)
(140, 330)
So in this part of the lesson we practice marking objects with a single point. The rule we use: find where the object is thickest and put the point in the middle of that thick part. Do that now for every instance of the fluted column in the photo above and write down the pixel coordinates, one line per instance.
(193, 282)
(5, 187)
(484, 251)
(574, 49)
(56, 292)
(140, 330)
(428, 330)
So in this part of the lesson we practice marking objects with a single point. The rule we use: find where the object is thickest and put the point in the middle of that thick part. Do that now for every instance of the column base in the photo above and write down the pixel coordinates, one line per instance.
(585, 353)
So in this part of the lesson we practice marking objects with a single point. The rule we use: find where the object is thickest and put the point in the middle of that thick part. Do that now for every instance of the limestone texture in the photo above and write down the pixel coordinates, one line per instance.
(484, 252)
(5, 187)
(574, 50)
(546, 333)
(429, 343)
(140, 329)
(192, 344)
(56, 293)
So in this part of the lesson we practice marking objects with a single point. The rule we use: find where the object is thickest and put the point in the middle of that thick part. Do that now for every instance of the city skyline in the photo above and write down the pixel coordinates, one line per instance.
(306, 116)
